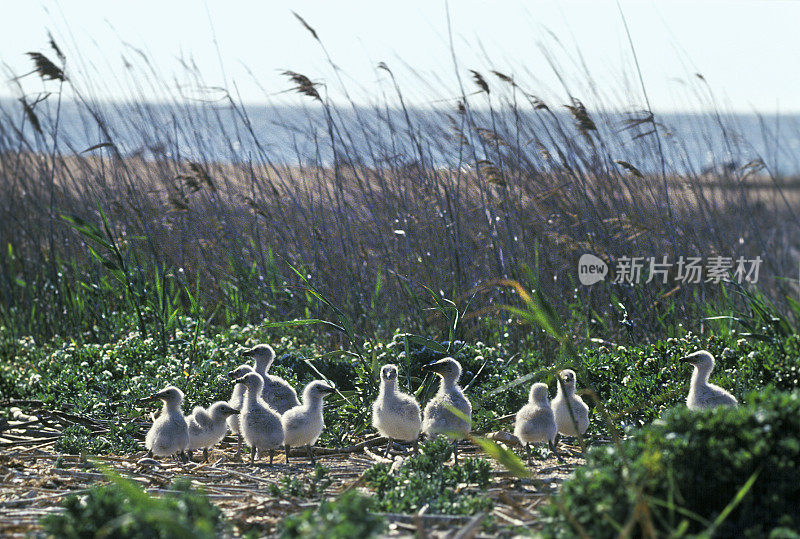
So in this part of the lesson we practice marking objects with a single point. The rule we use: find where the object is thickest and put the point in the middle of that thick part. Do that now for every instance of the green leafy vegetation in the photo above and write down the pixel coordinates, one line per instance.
(122, 509)
(311, 486)
(345, 517)
(726, 471)
(635, 383)
(425, 479)
(77, 439)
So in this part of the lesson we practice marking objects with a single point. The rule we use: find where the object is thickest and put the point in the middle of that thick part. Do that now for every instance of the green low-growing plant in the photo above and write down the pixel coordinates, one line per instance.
(121, 509)
(346, 517)
(77, 439)
(653, 380)
(73, 440)
(306, 487)
(102, 381)
(723, 471)
(424, 479)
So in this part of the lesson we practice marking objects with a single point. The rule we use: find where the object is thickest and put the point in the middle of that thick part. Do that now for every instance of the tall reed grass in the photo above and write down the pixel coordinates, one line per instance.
(381, 204)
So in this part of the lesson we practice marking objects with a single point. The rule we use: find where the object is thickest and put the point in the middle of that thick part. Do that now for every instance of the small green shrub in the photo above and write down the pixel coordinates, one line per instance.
(123, 510)
(347, 517)
(424, 479)
(308, 487)
(77, 439)
(693, 462)
(73, 440)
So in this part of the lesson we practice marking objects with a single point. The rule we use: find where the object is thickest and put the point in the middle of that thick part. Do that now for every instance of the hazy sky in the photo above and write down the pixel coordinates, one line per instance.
(747, 51)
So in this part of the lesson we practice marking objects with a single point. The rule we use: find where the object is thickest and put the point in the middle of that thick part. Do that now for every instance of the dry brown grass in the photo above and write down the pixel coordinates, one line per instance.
(449, 230)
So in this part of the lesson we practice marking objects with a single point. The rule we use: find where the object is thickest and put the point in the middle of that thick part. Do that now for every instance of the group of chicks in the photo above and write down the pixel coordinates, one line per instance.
(396, 415)
(538, 421)
(264, 410)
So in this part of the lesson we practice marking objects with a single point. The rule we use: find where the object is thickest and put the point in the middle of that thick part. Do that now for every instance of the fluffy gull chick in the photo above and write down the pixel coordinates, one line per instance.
(395, 414)
(236, 400)
(567, 400)
(208, 427)
(438, 417)
(277, 391)
(303, 424)
(169, 434)
(701, 393)
(536, 422)
(259, 424)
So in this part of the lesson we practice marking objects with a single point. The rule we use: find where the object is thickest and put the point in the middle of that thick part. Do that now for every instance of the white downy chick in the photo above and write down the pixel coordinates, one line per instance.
(236, 400)
(438, 417)
(208, 427)
(169, 434)
(259, 425)
(565, 400)
(535, 422)
(395, 415)
(701, 393)
(277, 391)
(303, 424)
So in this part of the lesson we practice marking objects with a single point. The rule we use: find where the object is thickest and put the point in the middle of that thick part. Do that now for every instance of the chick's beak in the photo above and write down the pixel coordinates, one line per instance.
(239, 380)
(154, 397)
(687, 359)
(247, 353)
(432, 366)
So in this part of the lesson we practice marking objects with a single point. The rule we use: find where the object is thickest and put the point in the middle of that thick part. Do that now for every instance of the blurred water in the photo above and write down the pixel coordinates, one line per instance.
(375, 137)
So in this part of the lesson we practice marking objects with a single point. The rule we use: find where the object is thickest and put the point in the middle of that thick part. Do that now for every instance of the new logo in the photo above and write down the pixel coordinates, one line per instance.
(591, 269)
